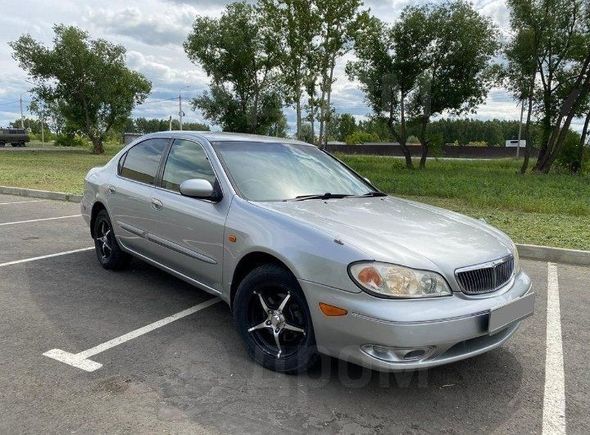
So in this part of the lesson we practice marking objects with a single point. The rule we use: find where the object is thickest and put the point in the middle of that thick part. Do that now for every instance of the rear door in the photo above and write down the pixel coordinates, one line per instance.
(191, 229)
(131, 200)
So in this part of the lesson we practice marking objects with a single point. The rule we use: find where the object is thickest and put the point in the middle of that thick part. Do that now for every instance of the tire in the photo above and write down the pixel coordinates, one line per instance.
(260, 320)
(108, 252)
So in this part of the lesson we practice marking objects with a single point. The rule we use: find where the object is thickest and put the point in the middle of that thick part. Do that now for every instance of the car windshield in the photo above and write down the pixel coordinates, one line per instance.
(263, 171)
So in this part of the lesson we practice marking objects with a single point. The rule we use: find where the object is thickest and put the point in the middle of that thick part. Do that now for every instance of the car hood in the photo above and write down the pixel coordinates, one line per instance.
(400, 231)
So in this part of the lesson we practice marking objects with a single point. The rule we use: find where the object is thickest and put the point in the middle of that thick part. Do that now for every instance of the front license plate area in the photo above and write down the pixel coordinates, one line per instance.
(518, 309)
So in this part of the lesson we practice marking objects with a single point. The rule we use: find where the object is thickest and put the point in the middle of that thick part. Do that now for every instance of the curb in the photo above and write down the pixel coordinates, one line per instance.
(43, 194)
(555, 255)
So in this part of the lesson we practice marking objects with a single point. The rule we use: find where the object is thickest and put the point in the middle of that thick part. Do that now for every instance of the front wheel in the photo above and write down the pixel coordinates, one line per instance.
(272, 316)
(108, 251)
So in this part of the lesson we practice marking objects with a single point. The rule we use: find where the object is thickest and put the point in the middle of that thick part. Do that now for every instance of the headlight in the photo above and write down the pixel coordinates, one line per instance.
(516, 259)
(392, 281)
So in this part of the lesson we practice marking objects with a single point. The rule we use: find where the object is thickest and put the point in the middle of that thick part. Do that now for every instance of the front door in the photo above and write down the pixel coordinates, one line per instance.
(191, 230)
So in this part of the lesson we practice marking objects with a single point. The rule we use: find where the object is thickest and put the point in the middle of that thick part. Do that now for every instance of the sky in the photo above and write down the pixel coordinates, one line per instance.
(153, 32)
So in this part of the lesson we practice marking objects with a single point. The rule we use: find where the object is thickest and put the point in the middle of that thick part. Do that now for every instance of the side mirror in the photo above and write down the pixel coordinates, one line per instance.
(197, 188)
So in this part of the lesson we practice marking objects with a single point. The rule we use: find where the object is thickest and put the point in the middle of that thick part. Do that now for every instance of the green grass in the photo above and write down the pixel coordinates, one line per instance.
(539, 209)
(61, 171)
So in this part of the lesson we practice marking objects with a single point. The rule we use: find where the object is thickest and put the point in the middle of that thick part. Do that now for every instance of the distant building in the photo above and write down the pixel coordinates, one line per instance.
(513, 143)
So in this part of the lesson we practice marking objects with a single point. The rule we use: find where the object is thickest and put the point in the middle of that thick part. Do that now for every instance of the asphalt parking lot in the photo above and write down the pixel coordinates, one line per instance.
(192, 375)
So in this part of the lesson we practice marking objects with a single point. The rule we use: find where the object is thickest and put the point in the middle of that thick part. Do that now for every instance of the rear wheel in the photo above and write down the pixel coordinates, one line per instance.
(272, 316)
(108, 251)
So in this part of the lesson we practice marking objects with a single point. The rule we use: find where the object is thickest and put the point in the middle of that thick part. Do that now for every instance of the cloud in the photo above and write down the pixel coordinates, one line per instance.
(168, 28)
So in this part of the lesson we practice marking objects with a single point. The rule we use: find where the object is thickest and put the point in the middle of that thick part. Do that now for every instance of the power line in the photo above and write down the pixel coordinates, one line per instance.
(8, 103)
(159, 100)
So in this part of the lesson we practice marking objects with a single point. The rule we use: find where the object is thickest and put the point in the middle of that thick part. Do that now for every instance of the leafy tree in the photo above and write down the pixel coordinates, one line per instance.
(85, 80)
(522, 53)
(279, 128)
(464, 131)
(361, 137)
(458, 46)
(435, 59)
(341, 126)
(241, 56)
(377, 126)
(294, 23)
(577, 94)
(388, 71)
(31, 124)
(582, 144)
(147, 125)
(307, 133)
(341, 21)
(546, 58)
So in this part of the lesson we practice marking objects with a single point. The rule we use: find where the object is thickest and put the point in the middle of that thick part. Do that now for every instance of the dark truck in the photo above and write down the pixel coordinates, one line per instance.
(17, 137)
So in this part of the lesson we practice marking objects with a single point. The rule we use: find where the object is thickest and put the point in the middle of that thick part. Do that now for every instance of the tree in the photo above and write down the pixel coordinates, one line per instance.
(570, 107)
(388, 72)
(241, 56)
(341, 126)
(151, 125)
(582, 144)
(522, 53)
(546, 57)
(31, 124)
(294, 23)
(341, 21)
(85, 79)
(457, 46)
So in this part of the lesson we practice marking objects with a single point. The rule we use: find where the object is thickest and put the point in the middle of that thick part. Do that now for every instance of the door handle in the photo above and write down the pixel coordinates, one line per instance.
(111, 188)
(157, 204)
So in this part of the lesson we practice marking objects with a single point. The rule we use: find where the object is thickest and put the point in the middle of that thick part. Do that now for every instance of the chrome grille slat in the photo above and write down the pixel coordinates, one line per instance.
(487, 277)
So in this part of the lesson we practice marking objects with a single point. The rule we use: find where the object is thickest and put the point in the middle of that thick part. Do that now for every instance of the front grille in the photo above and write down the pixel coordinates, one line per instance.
(485, 278)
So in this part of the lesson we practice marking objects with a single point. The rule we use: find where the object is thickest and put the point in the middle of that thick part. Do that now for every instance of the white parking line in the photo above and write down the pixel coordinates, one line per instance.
(42, 257)
(80, 360)
(39, 220)
(554, 397)
(22, 202)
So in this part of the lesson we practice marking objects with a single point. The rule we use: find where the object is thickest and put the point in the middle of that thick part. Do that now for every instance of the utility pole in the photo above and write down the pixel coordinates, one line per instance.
(520, 128)
(170, 123)
(180, 114)
(42, 127)
(22, 118)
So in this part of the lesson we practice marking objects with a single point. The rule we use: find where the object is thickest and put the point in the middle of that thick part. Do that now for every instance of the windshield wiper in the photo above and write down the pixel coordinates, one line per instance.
(372, 194)
(326, 195)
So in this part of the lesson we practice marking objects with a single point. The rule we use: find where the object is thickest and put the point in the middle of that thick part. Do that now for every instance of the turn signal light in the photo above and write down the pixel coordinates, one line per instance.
(331, 310)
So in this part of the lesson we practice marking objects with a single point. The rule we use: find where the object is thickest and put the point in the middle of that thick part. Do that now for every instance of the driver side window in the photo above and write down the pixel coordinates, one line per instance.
(186, 160)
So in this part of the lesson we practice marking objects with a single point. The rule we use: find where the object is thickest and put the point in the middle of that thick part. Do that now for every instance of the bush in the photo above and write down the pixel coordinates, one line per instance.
(67, 140)
(569, 156)
(361, 137)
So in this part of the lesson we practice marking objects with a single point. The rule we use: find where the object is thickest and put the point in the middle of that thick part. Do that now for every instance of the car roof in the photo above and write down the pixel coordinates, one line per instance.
(219, 136)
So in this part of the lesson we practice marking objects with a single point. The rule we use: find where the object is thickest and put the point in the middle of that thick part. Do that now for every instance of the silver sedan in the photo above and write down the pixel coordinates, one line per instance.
(309, 255)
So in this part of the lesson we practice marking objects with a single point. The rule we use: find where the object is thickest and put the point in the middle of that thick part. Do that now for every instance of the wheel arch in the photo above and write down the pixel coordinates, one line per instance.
(248, 263)
(98, 206)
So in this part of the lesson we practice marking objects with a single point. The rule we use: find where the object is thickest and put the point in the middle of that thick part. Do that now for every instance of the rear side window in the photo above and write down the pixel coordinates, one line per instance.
(186, 160)
(142, 161)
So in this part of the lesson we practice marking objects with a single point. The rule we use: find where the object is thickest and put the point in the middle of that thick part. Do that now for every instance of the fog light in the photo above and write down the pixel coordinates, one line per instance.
(398, 354)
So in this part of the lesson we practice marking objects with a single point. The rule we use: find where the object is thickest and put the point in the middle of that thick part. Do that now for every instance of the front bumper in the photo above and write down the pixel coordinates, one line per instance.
(442, 330)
